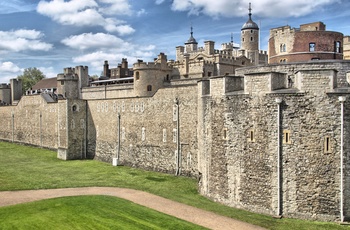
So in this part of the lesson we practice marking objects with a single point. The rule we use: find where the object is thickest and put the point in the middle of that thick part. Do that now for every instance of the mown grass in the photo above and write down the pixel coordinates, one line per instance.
(87, 212)
(24, 167)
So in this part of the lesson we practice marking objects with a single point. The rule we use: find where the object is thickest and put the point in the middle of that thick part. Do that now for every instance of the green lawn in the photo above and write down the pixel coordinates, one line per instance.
(23, 167)
(87, 212)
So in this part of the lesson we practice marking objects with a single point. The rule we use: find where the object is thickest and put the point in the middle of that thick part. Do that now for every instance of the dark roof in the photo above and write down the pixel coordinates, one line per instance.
(191, 40)
(250, 24)
(46, 83)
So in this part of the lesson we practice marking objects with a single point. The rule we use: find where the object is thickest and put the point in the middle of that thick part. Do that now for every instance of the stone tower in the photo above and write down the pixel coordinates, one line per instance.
(149, 77)
(191, 44)
(250, 38)
(71, 82)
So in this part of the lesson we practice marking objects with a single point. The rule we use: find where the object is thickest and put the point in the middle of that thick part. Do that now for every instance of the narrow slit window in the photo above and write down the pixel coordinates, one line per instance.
(286, 137)
(251, 136)
(224, 134)
(327, 145)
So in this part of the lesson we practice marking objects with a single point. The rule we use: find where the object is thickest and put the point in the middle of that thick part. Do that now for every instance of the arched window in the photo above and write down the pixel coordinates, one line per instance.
(74, 108)
(337, 46)
(149, 88)
(312, 47)
(251, 39)
(283, 48)
(137, 75)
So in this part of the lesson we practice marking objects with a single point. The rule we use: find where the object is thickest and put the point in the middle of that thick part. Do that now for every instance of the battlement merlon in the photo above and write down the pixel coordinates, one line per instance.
(5, 86)
(67, 77)
(160, 63)
(150, 66)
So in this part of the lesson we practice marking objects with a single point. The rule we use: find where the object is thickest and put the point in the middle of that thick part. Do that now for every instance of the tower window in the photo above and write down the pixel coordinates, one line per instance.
(251, 31)
(224, 134)
(251, 135)
(149, 88)
(312, 47)
(286, 137)
(283, 48)
(337, 47)
(327, 145)
(242, 39)
(251, 39)
(137, 75)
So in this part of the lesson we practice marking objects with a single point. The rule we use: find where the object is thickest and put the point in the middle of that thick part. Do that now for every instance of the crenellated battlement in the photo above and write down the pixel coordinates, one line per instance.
(5, 86)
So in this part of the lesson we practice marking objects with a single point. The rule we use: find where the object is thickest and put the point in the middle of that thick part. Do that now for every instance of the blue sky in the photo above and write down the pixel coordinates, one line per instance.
(54, 34)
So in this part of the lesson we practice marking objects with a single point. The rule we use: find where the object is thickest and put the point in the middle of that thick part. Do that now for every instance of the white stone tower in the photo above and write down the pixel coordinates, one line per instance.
(250, 39)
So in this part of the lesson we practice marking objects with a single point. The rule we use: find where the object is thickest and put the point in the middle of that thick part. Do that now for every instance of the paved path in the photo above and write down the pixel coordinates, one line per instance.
(181, 211)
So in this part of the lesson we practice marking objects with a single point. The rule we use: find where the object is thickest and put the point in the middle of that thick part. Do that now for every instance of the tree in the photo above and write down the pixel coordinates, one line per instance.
(30, 77)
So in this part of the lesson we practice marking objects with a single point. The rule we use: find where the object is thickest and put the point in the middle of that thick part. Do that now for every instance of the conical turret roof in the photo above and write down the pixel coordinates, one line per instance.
(250, 24)
(191, 40)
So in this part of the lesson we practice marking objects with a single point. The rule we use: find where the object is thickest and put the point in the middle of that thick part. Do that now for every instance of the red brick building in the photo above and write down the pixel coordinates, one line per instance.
(309, 42)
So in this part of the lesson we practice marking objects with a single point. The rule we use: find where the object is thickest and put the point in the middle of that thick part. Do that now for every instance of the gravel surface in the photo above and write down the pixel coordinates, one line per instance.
(181, 211)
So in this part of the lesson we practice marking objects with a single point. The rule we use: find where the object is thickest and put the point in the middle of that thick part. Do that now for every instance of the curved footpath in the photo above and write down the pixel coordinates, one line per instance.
(181, 211)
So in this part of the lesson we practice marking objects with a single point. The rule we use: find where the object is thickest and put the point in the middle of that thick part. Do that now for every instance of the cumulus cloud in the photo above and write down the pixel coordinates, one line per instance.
(116, 7)
(21, 40)
(88, 13)
(9, 70)
(264, 8)
(49, 72)
(96, 59)
(93, 41)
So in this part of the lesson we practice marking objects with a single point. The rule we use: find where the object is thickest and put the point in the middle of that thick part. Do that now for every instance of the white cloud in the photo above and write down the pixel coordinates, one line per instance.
(263, 8)
(49, 72)
(9, 70)
(141, 12)
(96, 59)
(15, 6)
(93, 41)
(124, 30)
(56, 7)
(88, 13)
(116, 7)
(21, 40)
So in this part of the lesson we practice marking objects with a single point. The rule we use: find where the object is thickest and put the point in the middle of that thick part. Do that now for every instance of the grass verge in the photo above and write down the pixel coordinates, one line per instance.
(24, 167)
(87, 212)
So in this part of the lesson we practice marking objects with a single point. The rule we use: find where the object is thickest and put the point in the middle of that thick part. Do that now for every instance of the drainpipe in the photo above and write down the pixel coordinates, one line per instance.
(178, 147)
(85, 129)
(279, 192)
(341, 100)
(13, 126)
(41, 127)
(118, 151)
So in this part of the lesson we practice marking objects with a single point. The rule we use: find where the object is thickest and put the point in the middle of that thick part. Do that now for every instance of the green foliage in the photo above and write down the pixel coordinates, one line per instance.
(30, 77)
(94, 77)
(24, 167)
(87, 212)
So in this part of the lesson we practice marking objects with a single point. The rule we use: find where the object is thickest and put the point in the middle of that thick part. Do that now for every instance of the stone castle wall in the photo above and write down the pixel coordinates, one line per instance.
(238, 151)
(228, 134)
(33, 121)
(147, 130)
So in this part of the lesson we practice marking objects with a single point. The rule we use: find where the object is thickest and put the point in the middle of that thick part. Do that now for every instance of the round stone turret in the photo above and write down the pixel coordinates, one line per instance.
(191, 44)
(250, 34)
